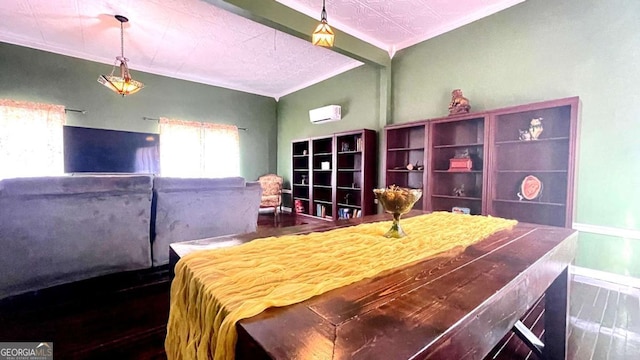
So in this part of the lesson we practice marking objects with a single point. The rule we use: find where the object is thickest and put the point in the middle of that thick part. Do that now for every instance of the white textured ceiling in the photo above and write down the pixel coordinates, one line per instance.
(396, 24)
(194, 40)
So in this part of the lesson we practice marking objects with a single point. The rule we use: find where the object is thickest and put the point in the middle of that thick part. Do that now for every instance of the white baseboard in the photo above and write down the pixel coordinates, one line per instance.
(606, 276)
(606, 230)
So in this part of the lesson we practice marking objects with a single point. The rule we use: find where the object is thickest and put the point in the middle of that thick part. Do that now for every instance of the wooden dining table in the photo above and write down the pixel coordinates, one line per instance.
(453, 305)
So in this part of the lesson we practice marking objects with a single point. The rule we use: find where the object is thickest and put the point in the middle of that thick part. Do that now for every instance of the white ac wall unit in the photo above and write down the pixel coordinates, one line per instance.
(325, 114)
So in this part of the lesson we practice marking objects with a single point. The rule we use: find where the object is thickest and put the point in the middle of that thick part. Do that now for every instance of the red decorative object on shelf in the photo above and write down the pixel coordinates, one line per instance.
(463, 164)
(530, 188)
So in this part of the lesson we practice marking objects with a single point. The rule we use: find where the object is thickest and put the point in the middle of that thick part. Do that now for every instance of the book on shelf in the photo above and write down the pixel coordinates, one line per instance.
(346, 213)
(321, 210)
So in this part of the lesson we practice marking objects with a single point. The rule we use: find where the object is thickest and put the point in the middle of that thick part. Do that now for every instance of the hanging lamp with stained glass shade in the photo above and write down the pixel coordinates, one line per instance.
(123, 84)
(323, 35)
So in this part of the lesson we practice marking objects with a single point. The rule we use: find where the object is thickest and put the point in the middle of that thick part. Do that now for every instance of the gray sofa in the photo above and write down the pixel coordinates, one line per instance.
(218, 207)
(56, 230)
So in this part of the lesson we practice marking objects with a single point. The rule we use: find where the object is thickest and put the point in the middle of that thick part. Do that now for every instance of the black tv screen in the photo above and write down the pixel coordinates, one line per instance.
(110, 151)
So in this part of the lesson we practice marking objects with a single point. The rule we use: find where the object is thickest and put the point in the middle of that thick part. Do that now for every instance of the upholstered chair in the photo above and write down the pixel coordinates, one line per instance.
(271, 192)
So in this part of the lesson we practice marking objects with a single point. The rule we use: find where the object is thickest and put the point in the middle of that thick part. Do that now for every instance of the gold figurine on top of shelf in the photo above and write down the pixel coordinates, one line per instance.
(459, 104)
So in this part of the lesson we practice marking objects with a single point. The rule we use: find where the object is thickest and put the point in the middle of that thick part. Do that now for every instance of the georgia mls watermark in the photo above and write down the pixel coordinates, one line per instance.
(26, 350)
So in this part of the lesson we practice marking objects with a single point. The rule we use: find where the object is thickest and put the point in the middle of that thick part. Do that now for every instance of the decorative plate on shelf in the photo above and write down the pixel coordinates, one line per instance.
(530, 188)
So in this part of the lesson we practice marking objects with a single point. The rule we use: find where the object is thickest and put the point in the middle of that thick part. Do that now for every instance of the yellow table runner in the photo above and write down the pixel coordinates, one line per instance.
(213, 289)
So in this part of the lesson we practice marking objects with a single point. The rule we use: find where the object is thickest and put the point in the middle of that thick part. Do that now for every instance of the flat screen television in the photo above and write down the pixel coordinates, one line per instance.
(88, 150)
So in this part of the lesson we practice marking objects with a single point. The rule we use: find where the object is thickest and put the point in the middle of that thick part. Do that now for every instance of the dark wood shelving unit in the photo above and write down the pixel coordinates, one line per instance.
(450, 137)
(405, 144)
(550, 158)
(344, 186)
(356, 162)
(500, 161)
(301, 174)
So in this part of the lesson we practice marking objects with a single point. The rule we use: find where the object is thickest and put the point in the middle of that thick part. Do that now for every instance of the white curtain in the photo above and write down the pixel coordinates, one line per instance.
(193, 149)
(30, 139)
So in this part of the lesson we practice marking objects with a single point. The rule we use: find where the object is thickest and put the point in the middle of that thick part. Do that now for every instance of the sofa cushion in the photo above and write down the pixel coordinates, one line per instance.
(185, 212)
(59, 230)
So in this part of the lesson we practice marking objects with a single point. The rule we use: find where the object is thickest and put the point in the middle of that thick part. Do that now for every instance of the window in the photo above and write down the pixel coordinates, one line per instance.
(30, 139)
(195, 149)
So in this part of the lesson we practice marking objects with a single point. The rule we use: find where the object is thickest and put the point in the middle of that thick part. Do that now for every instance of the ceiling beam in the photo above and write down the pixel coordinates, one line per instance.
(277, 16)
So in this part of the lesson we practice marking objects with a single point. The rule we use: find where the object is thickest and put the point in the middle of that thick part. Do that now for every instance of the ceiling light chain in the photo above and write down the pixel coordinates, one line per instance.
(122, 39)
(323, 35)
(323, 14)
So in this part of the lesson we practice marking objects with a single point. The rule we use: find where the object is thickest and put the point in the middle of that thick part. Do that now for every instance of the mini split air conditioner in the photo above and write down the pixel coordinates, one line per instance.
(325, 114)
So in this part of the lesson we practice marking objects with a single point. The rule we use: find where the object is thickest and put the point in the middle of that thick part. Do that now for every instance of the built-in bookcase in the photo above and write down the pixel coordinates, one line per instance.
(301, 174)
(322, 177)
(342, 174)
(550, 158)
(405, 157)
(459, 137)
(499, 154)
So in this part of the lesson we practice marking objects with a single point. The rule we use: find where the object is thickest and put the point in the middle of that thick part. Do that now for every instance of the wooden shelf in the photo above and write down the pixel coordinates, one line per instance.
(551, 158)
(305, 185)
(528, 171)
(407, 149)
(453, 146)
(406, 144)
(326, 218)
(500, 160)
(300, 156)
(530, 142)
(458, 172)
(352, 159)
(528, 203)
(405, 171)
(456, 197)
(349, 206)
(300, 198)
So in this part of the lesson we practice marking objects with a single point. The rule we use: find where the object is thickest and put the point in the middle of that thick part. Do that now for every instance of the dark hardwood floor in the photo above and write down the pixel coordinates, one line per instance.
(604, 324)
(124, 316)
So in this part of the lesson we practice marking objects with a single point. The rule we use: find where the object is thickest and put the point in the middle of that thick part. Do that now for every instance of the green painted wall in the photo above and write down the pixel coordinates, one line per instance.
(547, 49)
(357, 91)
(34, 75)
(537, 50)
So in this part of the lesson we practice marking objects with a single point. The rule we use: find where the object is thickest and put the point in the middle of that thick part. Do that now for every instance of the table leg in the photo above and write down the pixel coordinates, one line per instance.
(556, 318)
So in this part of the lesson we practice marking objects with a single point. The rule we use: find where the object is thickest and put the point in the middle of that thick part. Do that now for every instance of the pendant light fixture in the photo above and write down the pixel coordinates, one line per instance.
(123, 84)
(323, 35)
